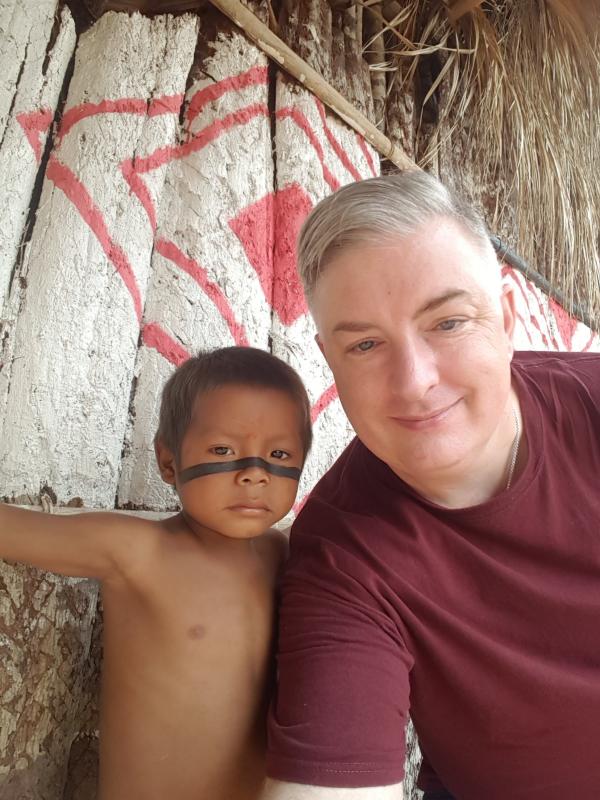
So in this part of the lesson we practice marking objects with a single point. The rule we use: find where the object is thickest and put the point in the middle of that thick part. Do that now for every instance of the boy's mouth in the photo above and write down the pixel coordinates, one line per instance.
(249, 507)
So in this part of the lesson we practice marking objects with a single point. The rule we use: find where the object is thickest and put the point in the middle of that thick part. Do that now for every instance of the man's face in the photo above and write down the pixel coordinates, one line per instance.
(230, 423)
(418, 336)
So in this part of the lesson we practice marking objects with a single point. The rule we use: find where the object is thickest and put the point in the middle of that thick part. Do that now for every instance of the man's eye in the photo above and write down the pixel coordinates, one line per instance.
(280, 454)
(450, 324)
(364, 347)
(221, 450)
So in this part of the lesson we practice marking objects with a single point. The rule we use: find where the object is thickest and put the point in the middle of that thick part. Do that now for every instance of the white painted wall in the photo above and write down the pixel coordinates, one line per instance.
(68, 382)
(316, 153)
(31, 77)
(215, 229)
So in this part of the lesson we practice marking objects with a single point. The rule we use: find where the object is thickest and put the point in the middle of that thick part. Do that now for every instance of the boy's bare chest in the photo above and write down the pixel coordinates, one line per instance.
(189, 601)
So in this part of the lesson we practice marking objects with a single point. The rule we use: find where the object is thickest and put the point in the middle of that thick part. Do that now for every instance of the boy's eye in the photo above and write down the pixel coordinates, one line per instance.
(280, 454)
(222, 450)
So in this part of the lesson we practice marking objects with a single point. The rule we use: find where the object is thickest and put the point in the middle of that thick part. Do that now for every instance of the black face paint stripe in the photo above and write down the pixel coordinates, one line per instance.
(212, 467)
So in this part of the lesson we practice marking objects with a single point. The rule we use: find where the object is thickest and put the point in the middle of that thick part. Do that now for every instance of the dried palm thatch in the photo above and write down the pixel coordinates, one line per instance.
(509, 111)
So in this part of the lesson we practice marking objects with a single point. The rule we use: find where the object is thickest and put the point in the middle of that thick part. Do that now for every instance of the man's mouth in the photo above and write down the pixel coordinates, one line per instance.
(430, 418)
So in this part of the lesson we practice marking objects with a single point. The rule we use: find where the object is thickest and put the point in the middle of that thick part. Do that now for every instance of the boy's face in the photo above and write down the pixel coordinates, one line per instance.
(231, 423)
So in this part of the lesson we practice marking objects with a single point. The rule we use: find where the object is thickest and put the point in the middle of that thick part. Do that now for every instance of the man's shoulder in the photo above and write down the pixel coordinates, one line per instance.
(342, 480)
(547, 367)
(348, 497)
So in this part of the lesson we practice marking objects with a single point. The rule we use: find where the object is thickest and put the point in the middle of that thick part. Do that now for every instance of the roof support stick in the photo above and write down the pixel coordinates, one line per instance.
(277, 50)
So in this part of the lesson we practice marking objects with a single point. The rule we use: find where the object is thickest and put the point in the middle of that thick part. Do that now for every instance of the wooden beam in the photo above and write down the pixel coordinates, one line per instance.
(459, 8)
(99, 7)
(289, 61)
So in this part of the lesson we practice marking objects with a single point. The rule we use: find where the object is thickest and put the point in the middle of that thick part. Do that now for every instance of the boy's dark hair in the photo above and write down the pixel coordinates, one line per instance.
(246, 366)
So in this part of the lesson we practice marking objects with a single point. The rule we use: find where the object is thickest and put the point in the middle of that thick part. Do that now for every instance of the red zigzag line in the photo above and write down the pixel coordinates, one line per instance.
(155, 336)
(255, 76)
(170, 251)
(546, 320)
(167, 104)
(506, 270)
(133, 168)
(368, 157)
(324, 400)
(75, 191)
(35, 124)
(335, 145)
(290, 112)
(589, 343)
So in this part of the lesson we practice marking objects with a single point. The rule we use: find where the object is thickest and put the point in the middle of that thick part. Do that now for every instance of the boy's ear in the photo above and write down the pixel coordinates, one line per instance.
(166, 462)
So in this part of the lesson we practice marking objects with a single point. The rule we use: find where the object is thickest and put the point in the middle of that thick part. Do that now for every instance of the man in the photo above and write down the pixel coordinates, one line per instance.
(449, 563)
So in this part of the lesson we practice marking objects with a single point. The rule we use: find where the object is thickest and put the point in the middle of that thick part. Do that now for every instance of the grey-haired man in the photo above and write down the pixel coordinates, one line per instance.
(449, 563)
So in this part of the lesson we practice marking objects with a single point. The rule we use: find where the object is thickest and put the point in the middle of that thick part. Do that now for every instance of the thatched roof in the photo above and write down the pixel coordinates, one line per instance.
(509, 109)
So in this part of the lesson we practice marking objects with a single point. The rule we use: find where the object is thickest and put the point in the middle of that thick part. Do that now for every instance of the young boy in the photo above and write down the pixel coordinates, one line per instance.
(189, 601)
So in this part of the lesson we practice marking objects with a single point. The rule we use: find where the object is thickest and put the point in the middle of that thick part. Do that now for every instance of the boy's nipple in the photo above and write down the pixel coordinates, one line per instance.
(197, 632)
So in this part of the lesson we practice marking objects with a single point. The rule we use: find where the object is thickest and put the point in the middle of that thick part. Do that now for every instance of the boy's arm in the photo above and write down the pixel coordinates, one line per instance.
(97, 545)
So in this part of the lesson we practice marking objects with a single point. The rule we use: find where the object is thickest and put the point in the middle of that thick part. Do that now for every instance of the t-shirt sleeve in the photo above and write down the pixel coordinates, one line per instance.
(341, 706)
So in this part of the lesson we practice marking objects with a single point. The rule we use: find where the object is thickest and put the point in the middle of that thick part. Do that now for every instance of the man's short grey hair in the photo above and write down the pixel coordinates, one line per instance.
(378, 210)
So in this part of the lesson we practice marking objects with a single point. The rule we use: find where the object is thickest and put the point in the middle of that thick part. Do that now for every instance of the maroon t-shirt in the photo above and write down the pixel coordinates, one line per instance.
(484, 622)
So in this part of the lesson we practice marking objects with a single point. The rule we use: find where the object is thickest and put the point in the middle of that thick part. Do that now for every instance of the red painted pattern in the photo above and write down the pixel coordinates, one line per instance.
(335, 145)
(292, 206)
(170, 251)
(253, 226)
(140, 190)
(35, 124)
(75, 191)
(566, 324)
(324, 400)
(367, 154)
(590, 342)
(154, 336)
(167, 104)
(133, 168)
(290, 112)
(255, 76)
(549, 344)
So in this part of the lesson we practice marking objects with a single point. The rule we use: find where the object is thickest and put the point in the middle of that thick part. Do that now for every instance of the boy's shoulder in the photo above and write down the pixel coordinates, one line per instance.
(274, 547)
(278, 539)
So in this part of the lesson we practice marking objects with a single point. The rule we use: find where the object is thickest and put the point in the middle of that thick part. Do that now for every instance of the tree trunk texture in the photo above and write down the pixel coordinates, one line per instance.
(45, 630)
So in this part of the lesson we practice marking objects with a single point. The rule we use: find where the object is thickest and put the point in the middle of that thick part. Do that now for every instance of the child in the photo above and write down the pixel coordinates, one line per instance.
(189, 600)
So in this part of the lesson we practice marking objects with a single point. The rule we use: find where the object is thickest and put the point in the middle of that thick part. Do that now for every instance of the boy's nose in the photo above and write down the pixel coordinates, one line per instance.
(252, 475)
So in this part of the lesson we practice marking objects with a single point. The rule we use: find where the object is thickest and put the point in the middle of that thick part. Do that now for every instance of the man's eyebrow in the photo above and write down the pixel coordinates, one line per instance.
(436, 302)
(353, 327)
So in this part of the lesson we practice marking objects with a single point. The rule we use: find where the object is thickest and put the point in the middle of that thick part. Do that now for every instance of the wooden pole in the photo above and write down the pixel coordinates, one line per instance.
(276, 49)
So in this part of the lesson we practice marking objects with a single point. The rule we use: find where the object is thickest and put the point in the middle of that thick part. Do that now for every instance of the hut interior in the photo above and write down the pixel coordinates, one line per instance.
(157, 161)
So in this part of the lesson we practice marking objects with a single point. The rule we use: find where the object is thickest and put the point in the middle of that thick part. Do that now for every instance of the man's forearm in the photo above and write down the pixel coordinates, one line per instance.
(279, 790)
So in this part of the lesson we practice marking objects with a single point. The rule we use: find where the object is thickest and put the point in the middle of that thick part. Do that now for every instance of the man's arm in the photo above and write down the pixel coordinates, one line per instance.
(279, 790)
(96, 545)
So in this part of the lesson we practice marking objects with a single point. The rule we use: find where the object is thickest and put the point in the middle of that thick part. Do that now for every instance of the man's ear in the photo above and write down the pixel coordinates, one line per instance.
(319, 343)
(166, 462)
(509, 312)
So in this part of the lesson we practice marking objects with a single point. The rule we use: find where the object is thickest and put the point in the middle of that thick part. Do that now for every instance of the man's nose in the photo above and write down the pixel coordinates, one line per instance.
(253, 475)
(413, 369)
